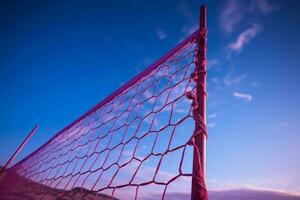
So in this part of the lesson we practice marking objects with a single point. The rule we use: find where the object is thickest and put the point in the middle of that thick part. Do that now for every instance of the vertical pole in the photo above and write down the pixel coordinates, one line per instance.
(19, 149)
(202, 83)
(199, 191)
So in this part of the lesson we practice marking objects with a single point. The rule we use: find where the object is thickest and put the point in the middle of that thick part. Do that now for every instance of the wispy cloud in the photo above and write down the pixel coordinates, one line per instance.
(191, 23)
(231, 16)
(189, 30)
(244, 38)
(254, 84)
(211, 125)
(244, 96)
(282, 126)
(211, 63)
(213, 115)
(230, 79)
(263, 6)
(215, 80)
(185, 10)
(161, 34)
(235, 11)
(246, 193)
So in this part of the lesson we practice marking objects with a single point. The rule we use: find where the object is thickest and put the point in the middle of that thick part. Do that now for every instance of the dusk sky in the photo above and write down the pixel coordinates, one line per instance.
(60, 58)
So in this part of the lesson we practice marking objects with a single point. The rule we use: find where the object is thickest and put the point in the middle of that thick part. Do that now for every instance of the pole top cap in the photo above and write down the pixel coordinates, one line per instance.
(203, 16)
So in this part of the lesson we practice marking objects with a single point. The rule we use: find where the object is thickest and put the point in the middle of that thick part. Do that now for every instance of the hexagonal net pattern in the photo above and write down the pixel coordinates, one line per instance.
(133, 146)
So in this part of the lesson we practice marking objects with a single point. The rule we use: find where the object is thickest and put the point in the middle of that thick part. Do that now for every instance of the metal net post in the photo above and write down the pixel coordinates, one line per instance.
(199, 191)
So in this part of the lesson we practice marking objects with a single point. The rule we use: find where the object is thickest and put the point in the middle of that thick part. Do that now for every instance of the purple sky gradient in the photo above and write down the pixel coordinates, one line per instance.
(57, 60)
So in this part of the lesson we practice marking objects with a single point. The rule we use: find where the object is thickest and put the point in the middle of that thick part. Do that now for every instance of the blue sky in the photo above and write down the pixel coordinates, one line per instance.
(60, 59)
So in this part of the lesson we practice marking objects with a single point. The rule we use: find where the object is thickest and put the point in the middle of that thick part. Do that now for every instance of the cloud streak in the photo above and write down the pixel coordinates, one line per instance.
(235, 194)
(191, 24)
(282, 125)
(213, 115)
(231, 16)
(230, 79)
(185, 10)
(161, 34)
(235, 11)
(244, 96)
(251, 194)
(189, 30)
(211, 125)
(263, 6)
(211, 63)
(245, 37)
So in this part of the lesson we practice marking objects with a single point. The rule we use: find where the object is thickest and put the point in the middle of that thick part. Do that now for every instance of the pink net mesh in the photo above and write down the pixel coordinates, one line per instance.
(134, 146)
